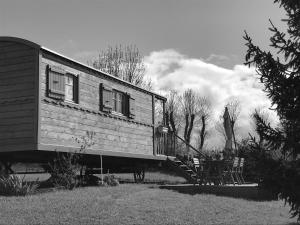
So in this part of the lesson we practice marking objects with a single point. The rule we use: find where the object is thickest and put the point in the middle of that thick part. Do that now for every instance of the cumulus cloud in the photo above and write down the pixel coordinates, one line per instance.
(170, 69)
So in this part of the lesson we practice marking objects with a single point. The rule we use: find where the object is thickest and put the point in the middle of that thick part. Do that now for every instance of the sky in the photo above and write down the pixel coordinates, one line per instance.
(194, 44)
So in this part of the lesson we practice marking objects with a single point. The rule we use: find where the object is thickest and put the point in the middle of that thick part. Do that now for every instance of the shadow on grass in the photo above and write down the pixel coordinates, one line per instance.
(245, 192)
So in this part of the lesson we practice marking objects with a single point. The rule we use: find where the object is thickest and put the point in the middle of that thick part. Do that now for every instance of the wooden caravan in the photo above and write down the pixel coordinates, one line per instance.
(49, 102)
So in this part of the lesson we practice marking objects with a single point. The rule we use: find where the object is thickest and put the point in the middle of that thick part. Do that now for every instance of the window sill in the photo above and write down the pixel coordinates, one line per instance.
(71, 102)
(119, 115)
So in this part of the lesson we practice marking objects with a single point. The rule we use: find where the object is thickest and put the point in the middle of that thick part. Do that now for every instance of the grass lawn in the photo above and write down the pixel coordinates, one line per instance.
(150, 177)
(153, 177)
(138, 204)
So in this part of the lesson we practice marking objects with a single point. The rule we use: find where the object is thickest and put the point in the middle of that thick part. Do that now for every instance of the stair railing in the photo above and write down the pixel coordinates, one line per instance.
(201, 154)
(170, 144)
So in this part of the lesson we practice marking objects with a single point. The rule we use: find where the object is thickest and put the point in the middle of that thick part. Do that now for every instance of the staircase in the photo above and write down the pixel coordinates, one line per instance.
(169, 144)
(182, 169)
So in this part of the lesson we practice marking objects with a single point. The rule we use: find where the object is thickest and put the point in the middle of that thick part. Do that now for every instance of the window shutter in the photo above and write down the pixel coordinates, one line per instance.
(131, 107)
(56, 82)
(76, 89)
(106, 98)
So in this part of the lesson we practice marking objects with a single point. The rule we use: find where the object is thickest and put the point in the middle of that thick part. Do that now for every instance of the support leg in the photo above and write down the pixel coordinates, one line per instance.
(139, 174)
(5, 169)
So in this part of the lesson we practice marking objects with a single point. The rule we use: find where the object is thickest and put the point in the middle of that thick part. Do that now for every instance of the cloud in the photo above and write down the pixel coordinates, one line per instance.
(170, 69)
(222, 60)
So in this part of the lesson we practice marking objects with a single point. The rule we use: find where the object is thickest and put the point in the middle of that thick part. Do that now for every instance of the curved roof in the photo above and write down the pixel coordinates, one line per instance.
(21, 41)
(39, 47)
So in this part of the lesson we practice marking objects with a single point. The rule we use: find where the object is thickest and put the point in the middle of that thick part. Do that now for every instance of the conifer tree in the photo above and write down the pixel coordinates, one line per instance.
(280, 74)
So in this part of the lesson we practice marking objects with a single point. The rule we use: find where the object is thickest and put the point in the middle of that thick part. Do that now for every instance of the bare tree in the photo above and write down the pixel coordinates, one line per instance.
(158, 112)
(189, 107)
(219, 127)
(123, 62)
(173, 111)
(204, 113)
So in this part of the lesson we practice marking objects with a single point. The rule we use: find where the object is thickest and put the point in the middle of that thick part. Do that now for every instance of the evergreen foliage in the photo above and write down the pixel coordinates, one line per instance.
(280, 74)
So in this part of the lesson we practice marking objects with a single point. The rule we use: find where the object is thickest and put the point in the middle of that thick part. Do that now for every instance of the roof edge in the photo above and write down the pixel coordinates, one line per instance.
(102, 72)
(39, 47)
(21, 41)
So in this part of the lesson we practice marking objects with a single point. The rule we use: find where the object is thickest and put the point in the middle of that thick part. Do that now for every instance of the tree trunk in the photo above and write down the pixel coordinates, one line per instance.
(202, 133)
(186, 127)
(167, 120)
(172, 122)
(190, 129)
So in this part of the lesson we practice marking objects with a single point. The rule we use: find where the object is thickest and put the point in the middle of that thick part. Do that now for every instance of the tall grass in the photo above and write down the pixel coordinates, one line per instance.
(13, 185)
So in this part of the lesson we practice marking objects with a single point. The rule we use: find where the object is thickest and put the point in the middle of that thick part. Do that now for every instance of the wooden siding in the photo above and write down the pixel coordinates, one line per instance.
(18, 64)
(62, 123)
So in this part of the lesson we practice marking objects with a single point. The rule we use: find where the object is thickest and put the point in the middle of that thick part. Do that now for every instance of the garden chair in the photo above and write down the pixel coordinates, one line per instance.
(235, 169)
(231, 171)
(196, 164)
(240, 170)
(203, 170)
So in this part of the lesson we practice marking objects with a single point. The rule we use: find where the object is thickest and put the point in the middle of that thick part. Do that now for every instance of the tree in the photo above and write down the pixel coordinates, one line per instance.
(282, 77)
(173, 111)
(258, 114)
(204, 113)
(125, 63)
(280, 74)
(189, 107)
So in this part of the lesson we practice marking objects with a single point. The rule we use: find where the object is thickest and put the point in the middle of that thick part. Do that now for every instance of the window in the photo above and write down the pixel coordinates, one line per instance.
(119, 102)
(62, 85)
(116, 101)
(71, 88)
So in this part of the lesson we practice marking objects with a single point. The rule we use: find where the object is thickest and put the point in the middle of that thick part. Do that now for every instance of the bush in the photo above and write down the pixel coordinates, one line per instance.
(110, 180)
(283, 178)
(13, 185)
(63, 170)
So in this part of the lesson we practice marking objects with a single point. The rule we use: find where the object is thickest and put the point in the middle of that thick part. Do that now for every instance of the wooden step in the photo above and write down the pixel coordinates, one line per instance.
(184, 170)
(183, 166)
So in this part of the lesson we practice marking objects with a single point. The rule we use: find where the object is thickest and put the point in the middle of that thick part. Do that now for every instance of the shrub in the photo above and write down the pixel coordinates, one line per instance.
(283, 178)
(13, 185)
(110, 180)
(91, 180)
(63, 170)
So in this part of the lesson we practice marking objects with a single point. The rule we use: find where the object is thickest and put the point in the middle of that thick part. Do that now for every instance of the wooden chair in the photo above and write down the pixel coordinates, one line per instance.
(202, 170)
(235, 169)
(231, 171)
(196, 164)
(240, 170)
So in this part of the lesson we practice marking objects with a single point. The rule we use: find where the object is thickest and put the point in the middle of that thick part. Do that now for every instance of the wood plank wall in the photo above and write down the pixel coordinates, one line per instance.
(18, 65)
(61, 124)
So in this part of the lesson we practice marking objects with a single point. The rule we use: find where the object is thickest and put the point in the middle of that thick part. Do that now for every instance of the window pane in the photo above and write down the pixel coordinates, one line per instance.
(69, 89)
(119, 102)
(69, 79)
(69, 93)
